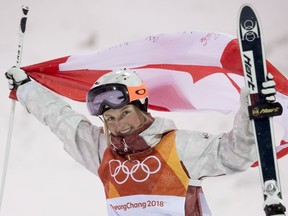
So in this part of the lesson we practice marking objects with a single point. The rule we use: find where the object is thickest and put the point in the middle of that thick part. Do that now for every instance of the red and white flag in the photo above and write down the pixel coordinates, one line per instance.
(186, 71)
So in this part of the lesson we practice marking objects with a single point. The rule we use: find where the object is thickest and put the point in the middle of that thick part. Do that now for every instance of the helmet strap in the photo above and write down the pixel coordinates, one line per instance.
(142, 107)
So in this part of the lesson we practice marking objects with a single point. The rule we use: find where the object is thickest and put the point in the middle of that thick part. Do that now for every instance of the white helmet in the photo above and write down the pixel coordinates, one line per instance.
(115, 90)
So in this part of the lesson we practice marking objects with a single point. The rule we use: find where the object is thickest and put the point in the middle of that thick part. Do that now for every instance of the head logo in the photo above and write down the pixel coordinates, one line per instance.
(255, 111)
(249, 30)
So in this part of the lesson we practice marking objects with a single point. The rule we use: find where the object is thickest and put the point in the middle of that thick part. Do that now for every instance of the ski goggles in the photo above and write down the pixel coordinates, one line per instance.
(115, 95)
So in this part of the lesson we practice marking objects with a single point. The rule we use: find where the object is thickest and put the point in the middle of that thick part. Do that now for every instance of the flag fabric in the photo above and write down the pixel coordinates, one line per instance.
(187, 71)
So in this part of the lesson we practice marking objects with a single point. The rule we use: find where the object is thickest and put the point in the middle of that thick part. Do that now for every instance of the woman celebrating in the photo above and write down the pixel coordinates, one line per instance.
(147, 165)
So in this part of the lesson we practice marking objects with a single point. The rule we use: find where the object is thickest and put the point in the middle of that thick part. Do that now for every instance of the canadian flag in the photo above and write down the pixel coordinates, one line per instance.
(185, 71)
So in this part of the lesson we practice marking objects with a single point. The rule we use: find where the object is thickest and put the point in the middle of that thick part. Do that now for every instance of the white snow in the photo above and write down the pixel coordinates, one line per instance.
(42, 179)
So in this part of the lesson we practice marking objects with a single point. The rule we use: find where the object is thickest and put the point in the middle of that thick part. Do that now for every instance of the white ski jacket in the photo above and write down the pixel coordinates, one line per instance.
(203, 155)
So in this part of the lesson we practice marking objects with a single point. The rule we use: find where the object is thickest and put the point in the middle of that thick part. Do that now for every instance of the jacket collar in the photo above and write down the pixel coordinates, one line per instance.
(145, 139)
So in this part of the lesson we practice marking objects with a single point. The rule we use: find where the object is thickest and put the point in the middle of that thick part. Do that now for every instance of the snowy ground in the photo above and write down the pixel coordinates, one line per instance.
(42, 179)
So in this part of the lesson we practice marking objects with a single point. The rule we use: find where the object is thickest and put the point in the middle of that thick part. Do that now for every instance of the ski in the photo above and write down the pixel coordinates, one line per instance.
(260, 112)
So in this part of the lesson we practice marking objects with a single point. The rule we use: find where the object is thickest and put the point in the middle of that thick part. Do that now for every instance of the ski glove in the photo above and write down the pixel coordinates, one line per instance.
(16, 77)
(269, 90)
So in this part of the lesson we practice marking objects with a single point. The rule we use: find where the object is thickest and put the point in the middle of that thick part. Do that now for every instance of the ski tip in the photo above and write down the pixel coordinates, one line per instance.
(247, 6)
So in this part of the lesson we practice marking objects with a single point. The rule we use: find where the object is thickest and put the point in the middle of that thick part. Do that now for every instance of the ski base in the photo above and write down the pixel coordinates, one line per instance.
(273, 205)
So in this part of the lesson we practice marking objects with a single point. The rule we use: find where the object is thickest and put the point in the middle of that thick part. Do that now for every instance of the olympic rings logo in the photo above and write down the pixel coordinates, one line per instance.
(117, 168)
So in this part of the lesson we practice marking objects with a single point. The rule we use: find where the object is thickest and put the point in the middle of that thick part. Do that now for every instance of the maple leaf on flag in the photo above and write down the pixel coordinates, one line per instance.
(185, 71)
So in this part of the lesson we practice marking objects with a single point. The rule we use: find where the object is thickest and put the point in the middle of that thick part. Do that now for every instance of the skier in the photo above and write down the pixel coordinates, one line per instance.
(147, 165)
